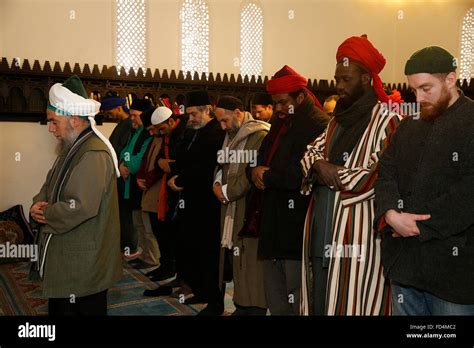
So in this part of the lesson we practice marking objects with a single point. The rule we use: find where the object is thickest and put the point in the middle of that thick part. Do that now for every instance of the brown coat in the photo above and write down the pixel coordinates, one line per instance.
(151, 195)
(247, 269)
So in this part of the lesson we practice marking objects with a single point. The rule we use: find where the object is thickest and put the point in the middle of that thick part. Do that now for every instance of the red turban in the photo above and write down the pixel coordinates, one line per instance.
(286, 80)
(360, 50)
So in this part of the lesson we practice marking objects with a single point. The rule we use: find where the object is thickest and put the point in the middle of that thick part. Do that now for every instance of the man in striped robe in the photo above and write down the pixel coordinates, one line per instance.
(342, 273)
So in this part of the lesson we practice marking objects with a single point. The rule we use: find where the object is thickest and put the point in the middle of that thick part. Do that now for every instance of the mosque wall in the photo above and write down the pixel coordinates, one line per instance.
(301, 33)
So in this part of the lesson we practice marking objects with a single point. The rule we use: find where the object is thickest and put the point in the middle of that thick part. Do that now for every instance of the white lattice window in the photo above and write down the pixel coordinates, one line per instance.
(466, 70)
(251, 40)
(131, 34)
(195, 36)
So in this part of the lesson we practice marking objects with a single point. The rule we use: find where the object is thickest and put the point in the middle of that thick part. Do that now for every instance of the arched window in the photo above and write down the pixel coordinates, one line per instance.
(131, 34)
(466, 70)
(251, 40)
(195, 36)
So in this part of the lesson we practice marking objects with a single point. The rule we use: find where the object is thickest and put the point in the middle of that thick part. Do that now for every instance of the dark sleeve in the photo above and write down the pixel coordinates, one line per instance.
(387, 195)
(451, 213)
(142, 171)
(198, 170)
(260, 157)
(290, 176)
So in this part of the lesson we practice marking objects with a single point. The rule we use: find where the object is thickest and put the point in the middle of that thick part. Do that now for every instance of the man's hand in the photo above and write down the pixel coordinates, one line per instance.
(124, 173)
(217, 188)
(328, 174)
(164, 164)
(37, 211)
(173, 186)
(141, 184)
(404, 224)
(257, 176)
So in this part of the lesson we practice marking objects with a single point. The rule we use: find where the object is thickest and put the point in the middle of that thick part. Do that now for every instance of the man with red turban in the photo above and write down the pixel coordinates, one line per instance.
(297, 119)
(342, 272)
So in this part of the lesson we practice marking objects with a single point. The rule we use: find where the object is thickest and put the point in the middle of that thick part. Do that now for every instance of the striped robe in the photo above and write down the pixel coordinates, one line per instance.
(355, 286)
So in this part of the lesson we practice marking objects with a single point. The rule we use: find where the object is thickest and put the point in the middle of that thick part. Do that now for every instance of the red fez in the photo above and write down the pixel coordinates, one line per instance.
(361, 51)
(286, 80)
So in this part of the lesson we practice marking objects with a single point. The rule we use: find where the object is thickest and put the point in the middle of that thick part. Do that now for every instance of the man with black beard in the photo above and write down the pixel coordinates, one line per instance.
(279, 206)
(198, 210)
(424, 195)
(340, 168)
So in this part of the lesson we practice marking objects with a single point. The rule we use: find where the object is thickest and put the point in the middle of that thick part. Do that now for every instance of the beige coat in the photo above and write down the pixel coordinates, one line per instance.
(150, 196)
(247, 269)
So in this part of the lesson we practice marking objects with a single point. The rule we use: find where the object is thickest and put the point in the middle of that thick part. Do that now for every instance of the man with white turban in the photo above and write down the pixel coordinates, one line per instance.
(77, 209)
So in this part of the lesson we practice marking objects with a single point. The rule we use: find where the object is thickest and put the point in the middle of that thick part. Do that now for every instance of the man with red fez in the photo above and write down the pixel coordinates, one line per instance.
(297, 119)
(342, 272)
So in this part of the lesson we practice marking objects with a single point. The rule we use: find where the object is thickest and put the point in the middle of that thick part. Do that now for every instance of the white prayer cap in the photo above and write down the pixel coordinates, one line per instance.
(161, 114)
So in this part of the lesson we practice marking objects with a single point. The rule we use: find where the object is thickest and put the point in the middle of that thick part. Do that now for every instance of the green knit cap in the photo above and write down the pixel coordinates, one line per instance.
(74, 84)
(431, 60)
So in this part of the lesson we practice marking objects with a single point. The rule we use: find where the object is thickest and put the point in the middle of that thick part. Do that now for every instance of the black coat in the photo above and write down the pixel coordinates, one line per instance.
(283, 207)
(198, 209)
(176, 142)
(429, 169)
(119, 136)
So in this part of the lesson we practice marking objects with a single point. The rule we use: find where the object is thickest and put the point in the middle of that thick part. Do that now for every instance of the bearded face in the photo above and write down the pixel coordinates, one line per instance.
(62, 129)
(198, 116)
(432, 110)
(432, 93)
(230, 121)
(349, 84)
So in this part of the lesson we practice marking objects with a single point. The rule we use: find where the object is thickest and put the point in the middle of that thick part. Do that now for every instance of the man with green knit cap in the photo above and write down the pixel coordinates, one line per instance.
(424, 195)
(77, 209)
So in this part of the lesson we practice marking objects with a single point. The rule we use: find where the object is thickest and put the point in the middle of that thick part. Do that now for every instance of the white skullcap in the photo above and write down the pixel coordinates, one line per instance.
(161, 114)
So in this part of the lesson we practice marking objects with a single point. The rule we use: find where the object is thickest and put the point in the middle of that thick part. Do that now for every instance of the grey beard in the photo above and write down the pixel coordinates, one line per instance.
(232, 133)
(195, 125)
(66, 143)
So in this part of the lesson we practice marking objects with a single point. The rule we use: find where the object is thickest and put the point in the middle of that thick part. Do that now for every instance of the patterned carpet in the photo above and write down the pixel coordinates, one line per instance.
(19, 296)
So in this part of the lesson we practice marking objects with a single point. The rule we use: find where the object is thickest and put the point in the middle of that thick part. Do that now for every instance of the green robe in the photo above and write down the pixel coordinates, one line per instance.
(82, 233)
(133, 161)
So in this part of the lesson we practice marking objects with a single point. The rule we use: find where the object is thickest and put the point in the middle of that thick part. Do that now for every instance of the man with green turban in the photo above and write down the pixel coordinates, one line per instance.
(77, 209)
(424, 195)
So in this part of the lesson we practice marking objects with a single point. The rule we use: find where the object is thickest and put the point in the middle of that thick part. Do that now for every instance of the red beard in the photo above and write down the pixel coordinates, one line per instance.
(430, 111)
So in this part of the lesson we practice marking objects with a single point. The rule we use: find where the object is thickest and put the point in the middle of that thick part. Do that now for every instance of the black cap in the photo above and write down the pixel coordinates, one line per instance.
(146, 117)
(430, 60)
(197, 98)
(260, 98)
(140, 104)
(230, 103)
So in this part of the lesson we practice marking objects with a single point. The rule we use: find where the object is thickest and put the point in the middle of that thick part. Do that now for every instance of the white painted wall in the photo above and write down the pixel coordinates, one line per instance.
(34, 146)
(42, 29)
